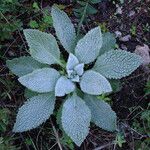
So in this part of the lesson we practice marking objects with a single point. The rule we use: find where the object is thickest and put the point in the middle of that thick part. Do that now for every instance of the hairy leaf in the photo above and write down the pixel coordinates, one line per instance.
(94, 83)
(76, 79)
(34, 112)
(79, 69)
(109, 42)
(43, 46)
(41, 80)
(71, 62)
(76, 118)
(64, 86)
(23, 65)
(65, 30)
(117, 64)
(102, 114)
(88, 47)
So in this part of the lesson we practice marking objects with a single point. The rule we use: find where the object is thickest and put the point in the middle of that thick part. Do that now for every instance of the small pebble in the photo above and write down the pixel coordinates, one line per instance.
(11, 53)
(119, 10)
(131, 13)
(118, 34)
(124, 47)
(125, 38)
(143, 51)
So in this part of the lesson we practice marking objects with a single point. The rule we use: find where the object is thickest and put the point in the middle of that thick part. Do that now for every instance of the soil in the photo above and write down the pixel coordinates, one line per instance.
(132, 91)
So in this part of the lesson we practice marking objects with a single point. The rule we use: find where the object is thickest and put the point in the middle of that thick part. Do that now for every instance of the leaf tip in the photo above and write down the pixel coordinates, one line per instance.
(16, 128)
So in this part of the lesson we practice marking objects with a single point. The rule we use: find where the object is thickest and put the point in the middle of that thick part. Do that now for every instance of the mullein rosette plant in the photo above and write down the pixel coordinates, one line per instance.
(46, 83)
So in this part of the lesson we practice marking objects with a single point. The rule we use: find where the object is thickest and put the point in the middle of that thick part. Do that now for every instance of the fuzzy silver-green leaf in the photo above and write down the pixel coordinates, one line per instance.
(41, 80)
(34, 112)
(72, 62)
(64, 86)
(79, 69)
(88, 48)
(94, 83)
(23, 65)
(76, 117)
(43, 46)
(64, 28)
(102, 114)
(116, 64)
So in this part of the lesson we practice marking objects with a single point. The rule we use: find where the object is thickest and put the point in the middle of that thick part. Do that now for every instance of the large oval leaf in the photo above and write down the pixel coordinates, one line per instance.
(41, 80)
(102, 114)
(65, 30)
(117, 64)
(43, 46)
(64, 86)
(23, 65)
(76, 118)
(34, 112)
(88, 47)
(94, 83)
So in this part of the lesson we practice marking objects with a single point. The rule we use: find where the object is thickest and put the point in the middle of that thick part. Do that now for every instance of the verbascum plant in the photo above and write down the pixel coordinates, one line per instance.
(36, 73)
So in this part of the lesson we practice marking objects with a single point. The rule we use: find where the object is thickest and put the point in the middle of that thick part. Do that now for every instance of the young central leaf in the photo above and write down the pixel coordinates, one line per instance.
(43, 46)
(76, 118)
(72, 62)
(72, 75)
(88, 47)
(40, 80)
(74, 69)
(64, 86)
(79, 69)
